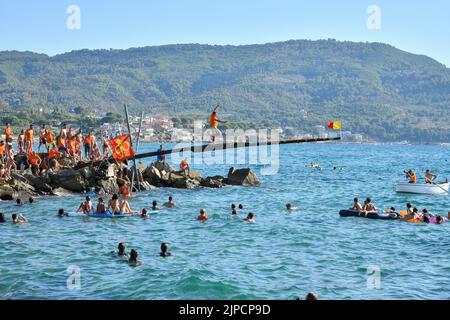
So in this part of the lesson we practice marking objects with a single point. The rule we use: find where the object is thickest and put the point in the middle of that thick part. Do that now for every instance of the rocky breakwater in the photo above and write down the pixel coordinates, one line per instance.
(107, 178)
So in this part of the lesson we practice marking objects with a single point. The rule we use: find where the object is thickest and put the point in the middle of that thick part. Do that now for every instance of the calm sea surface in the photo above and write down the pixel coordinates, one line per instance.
(281, 256)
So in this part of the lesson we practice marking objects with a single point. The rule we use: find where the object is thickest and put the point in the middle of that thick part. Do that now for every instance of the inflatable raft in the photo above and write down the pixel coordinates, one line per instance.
(109, 215)
(368, 215)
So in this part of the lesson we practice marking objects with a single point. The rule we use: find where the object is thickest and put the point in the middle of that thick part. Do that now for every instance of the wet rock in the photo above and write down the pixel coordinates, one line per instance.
(68, 179)
(209, 182)
(87, 172)
(23, 187)
(108, 187)
(185, 183)
(41, 183)
(242, 177)
(61, 192)
(7, 192)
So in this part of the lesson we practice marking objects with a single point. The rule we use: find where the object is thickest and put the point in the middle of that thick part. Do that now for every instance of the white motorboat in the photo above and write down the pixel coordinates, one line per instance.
(436, 188)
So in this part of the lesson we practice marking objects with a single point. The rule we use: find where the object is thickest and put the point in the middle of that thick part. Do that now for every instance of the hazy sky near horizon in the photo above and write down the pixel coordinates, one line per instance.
(417, 26)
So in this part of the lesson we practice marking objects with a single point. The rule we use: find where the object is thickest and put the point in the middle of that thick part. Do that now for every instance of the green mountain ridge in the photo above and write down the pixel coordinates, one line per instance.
(375, 89)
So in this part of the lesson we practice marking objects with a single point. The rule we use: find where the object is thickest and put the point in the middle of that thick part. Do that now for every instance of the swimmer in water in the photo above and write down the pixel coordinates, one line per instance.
(62, 213)
(233, 210)
(289, 207)
(202, 216)
(134, 261)
(249, 218)
(2, 217)
(113, 204)
(170, 203)
(86, 206)
(144, 213)
(121, 251)
(439, 220)
(241, 207)
(31, 200)
(155, 205)
(18, 219)
(19, 202)
(165, 250)
(101, 206)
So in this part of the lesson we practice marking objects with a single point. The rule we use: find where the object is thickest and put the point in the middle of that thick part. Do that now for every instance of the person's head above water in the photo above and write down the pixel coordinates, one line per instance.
(115, 196)
(121, 248)
(14, 216)
(133, 255)
(2, 217)
(202, 211)
(60, 212)
(154, 203)
(241, 206)
(289, 206)
(164, 247)
(170, 198)
(19, 201)
(144, 212)
(31, 200)
(250, 215)
(233, 206)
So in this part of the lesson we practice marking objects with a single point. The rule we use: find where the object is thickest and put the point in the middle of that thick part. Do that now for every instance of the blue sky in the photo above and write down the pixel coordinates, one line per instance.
(416, 26)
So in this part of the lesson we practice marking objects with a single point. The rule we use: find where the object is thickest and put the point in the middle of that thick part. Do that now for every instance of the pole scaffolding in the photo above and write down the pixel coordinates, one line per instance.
(218, 147)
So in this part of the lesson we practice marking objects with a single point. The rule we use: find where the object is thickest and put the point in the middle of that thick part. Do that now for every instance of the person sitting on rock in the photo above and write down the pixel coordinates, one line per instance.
(101, 206)
(18, 219)
(202, 216)
(160, 157)
(249, 218)
(169, 203)
(165, 250)
(86, 206)
(185, 168)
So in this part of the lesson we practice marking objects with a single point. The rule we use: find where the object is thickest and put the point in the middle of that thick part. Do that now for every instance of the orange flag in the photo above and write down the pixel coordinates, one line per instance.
(121, 147)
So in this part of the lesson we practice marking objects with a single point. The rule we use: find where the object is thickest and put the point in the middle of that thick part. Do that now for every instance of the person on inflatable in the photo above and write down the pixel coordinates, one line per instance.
(369, 206)
(356, 205)
(86, 206)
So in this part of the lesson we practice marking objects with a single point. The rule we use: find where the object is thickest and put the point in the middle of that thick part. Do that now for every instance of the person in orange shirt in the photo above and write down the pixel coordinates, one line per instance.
(2, 151)
(53, 153)
(89, 141)
(29, 139)
(185, 168)
(35, 161)
(202, 216)
(8, 133)
(49, 139)
(213, 123)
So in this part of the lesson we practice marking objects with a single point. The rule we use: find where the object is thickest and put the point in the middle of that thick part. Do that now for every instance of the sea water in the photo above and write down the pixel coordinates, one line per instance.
(282, 255)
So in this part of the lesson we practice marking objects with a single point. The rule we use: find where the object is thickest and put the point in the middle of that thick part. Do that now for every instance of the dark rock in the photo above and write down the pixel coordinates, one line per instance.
(108, 186)
(162, 166)
(242, 177)
(7, 192)
(68, 179)
(210, 182)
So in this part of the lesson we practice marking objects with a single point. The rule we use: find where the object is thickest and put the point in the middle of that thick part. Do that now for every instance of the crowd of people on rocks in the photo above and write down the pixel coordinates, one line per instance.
(43, 148)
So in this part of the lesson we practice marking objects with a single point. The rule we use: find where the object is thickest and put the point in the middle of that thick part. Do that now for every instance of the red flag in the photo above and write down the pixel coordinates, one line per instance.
(330, 125)
(121, 147)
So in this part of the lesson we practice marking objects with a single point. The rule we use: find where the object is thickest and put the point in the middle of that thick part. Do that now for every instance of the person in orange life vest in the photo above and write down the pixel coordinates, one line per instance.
(35, 161)
(61, 144)
(89, 141)
(202, 216)
(185, 168)
(29, 139)
(49, 139)
(42, 140)
(2, 151)
(125, 189)
(213, 123)
(8, 133)
(72, 147)
(411, 176)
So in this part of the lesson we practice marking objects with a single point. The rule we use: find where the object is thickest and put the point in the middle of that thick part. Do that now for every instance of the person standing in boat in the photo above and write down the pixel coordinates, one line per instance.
(429, 177)
(411, 176)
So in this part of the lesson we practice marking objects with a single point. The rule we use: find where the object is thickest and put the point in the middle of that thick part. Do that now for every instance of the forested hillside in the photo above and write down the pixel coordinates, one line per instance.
(374, 88)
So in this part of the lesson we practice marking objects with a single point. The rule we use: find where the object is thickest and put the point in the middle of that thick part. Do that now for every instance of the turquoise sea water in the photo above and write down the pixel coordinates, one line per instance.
(281, 256)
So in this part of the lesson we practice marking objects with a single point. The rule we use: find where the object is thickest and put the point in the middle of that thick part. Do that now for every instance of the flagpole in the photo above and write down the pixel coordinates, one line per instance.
(131, 144)
(137, 148)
